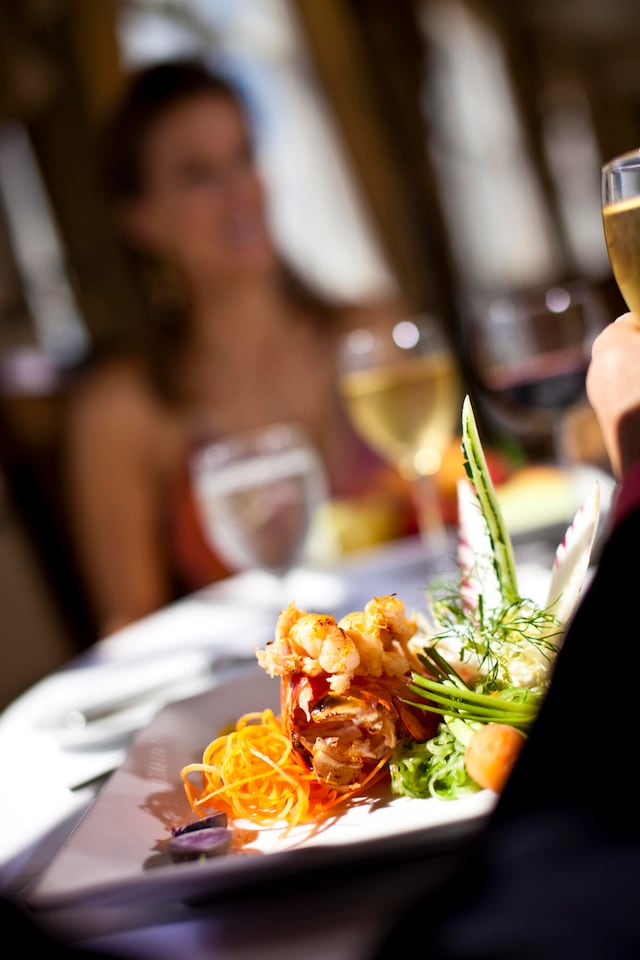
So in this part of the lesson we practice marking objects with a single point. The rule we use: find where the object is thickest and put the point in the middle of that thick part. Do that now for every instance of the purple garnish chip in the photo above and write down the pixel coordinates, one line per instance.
(201, 844)
(217, 819)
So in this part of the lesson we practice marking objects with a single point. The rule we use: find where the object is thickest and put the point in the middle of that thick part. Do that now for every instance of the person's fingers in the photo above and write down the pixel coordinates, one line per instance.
(617, 332)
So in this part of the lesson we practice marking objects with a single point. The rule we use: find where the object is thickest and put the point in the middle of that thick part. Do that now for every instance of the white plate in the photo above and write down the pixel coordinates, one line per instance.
(116, 853)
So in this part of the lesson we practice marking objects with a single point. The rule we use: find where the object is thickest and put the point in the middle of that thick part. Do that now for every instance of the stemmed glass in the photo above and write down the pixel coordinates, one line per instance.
(402, 390)
(529, 352)
(621, 222)
(257, 493)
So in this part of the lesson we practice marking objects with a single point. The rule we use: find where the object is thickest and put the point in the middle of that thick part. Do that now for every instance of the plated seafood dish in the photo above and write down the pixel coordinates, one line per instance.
(432, 703)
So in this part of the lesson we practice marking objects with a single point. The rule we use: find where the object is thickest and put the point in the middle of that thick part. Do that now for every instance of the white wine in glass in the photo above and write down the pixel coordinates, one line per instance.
(621, 222)
(402, 390)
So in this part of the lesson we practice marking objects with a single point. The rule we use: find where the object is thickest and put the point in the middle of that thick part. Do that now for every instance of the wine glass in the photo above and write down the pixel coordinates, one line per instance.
(621, 222)
(529, 352)
(257, 493)
(401, 387)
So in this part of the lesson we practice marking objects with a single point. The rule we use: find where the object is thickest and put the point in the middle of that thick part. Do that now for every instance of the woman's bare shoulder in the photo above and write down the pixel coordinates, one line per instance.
(114, 393)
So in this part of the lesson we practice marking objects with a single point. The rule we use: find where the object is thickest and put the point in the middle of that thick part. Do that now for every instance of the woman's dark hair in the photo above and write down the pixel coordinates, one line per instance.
(151, 92)
(158, 328)
(157, 335)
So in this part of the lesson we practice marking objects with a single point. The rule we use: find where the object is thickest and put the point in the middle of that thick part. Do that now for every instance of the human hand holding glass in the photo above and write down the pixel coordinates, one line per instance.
(402, 391)
(256, 494)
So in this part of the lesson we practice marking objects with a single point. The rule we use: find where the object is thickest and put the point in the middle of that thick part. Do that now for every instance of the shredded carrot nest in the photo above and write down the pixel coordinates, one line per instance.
(253, 773)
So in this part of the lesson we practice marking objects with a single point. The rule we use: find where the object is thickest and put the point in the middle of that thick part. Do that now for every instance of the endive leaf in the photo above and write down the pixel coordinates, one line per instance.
(477, 471)
(478, 576)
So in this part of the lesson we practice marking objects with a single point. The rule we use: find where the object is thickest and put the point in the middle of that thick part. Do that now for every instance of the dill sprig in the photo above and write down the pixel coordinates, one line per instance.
(493, 635)
(495, 639)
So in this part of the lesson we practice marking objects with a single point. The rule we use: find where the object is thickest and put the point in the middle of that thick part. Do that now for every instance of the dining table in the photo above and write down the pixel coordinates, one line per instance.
(91, 759)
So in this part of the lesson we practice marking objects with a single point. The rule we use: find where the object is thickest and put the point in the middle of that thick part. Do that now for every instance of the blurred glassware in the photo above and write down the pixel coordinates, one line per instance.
(402, 390)
(529, 352)
(621, 223)
(257, 493)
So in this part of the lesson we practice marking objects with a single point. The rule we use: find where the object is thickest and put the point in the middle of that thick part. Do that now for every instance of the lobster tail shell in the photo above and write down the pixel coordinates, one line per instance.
(344, 737)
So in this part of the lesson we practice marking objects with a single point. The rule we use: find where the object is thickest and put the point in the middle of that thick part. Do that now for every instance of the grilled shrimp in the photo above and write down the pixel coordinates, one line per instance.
(382, 632)
(312, 644)
(328, 647)
(387, 617)
(370, 642)
(368, 646)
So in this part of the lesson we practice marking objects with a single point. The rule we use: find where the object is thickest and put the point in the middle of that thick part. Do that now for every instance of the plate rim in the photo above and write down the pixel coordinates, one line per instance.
(216, 877)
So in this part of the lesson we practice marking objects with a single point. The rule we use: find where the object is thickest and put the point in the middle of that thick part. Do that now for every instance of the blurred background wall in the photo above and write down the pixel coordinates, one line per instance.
(449, 149)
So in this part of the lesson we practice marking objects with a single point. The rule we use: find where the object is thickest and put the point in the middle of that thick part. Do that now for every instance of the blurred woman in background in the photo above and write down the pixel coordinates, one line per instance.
(228, 339)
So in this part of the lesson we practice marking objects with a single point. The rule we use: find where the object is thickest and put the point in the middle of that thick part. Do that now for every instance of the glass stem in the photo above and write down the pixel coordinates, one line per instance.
(430, 520)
